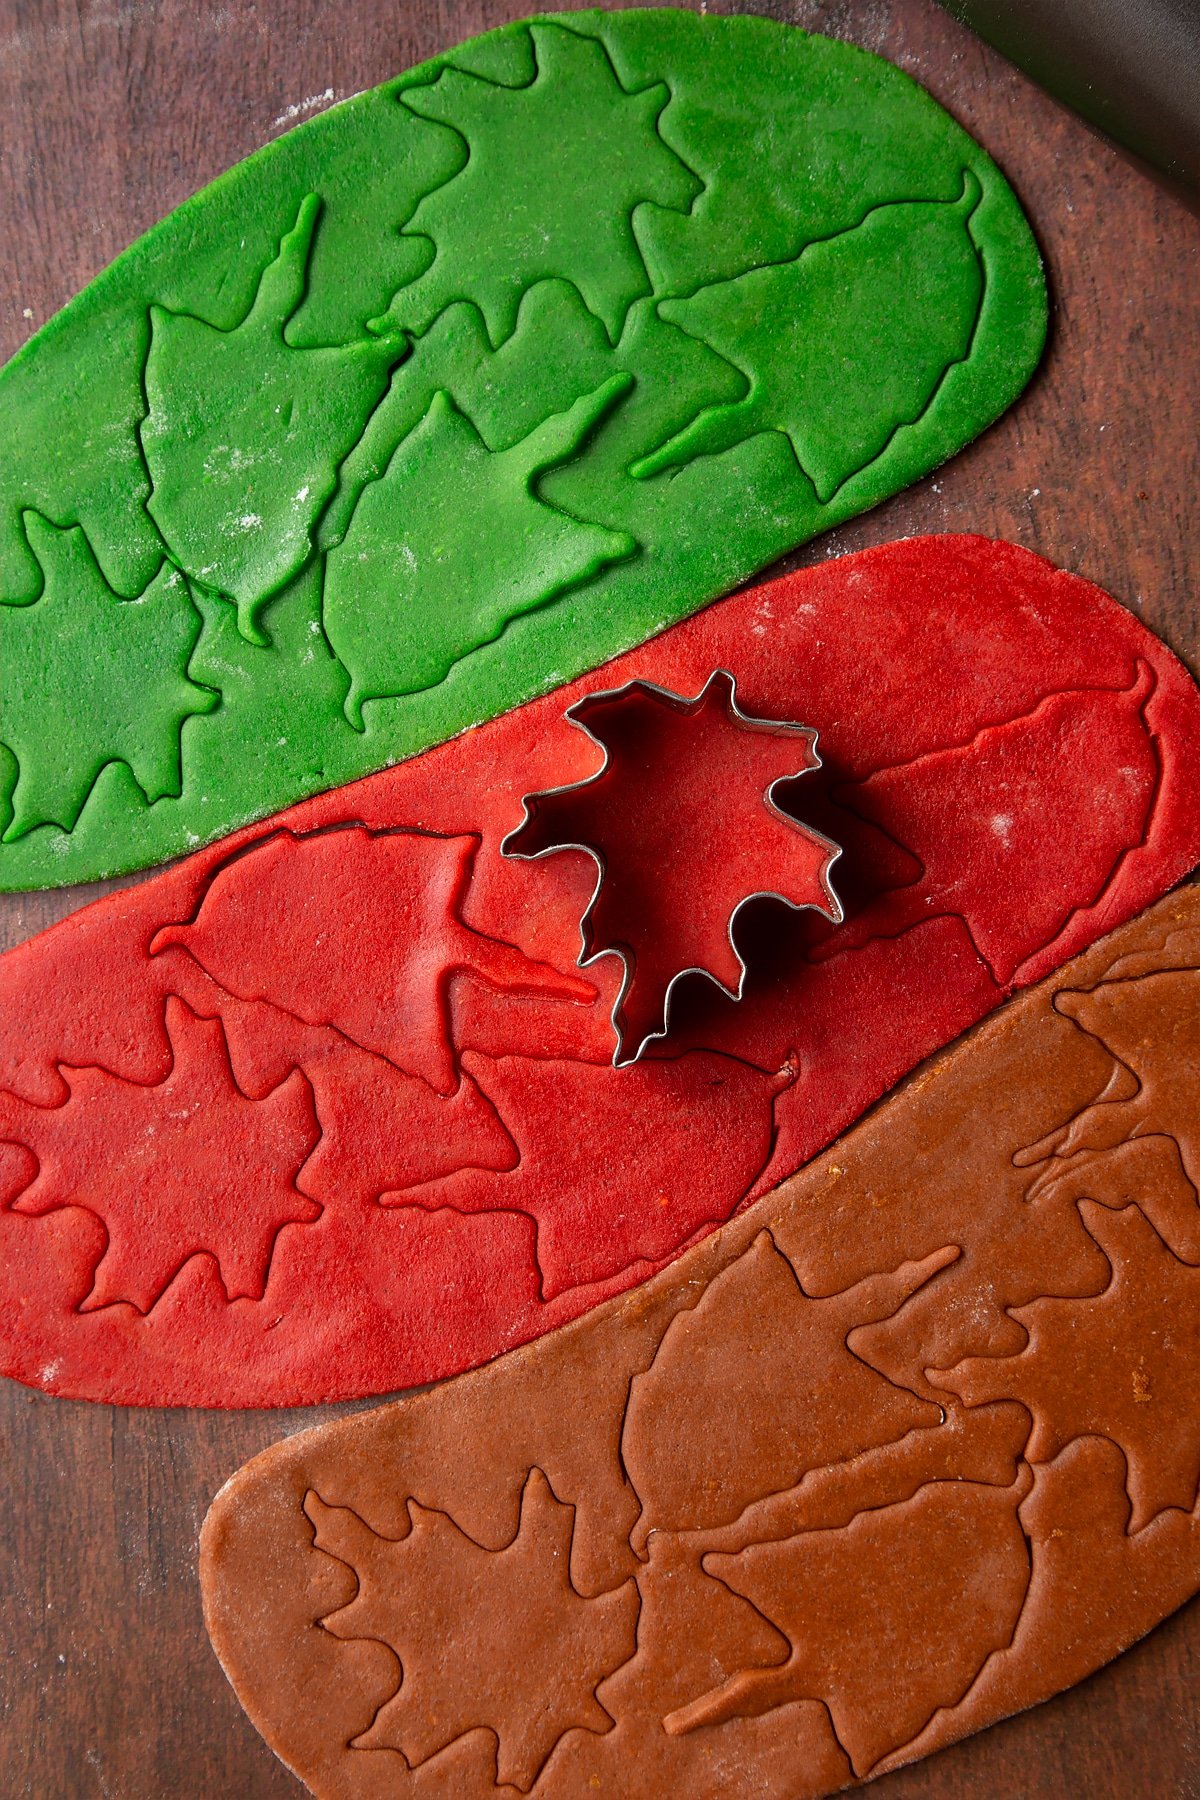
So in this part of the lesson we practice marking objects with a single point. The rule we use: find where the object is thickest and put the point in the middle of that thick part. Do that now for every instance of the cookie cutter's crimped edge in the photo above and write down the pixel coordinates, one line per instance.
(587, 953)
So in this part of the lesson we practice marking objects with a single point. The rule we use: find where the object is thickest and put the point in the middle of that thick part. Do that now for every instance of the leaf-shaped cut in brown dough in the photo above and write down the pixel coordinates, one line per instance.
(1094, 1585)
(1151, 1023)
(498, 1639)
(708, 1432)
(946, 1571)
(1124, 1365)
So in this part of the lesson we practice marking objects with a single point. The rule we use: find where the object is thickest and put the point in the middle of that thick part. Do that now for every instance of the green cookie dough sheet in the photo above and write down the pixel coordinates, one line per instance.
(460, 389)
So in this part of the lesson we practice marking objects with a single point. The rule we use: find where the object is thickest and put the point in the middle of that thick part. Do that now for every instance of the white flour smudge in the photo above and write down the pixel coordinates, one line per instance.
(303, 106)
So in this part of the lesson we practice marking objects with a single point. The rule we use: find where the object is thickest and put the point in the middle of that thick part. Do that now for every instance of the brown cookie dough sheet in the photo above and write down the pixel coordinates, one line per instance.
(912, 1444)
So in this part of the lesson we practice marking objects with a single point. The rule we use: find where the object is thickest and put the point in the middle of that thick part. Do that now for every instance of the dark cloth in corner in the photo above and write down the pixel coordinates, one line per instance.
(1130, 67)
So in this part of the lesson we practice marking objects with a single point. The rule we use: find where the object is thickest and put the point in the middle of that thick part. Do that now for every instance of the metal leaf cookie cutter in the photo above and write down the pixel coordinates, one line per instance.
(721, 686)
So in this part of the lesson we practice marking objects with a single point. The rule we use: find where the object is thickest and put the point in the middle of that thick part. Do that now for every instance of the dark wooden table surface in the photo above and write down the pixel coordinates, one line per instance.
(113, 111)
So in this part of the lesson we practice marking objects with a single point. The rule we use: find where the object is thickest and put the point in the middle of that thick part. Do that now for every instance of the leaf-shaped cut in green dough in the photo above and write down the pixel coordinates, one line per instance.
(505, 393)
(501, 224)
(245, 432)
(843, 345)
(91, 678)
(451, 543)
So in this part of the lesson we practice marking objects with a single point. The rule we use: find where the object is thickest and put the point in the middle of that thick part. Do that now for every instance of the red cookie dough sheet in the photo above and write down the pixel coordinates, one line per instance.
(327, 1109)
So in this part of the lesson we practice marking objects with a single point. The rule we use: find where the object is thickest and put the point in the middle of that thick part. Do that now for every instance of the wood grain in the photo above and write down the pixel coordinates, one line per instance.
(114, 111)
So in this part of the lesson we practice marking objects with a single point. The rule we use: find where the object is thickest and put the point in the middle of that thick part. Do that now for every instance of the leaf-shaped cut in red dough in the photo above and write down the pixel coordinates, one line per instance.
(361, 930)
(380, 1128)
(1046, 834)
(694, 1133)
(185, 1168)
